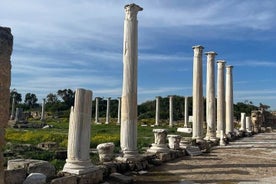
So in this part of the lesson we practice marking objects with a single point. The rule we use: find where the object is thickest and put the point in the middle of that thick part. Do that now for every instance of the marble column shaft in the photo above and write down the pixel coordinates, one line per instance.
(197, 93)
(97, 110)
(6, 46)
(157, 111)
(210, 96)
(220, 97)
(248, 126)
(119, 111)
(107, 119)
(186, 113)
(13, 108)
(171, 111)
(78, 158)
(43, 110)
(229, 114)
(129, 92)
(243, 121)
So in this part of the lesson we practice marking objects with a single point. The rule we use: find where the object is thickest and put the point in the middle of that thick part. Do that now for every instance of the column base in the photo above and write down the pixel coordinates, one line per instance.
(159, 148)
(78, 167)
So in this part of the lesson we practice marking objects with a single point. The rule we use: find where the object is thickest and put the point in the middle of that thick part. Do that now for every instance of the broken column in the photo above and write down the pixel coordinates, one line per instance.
(97, 110)
(13, 108)
(174, 141)
(42, 118)
(6, 44)
(186, 113)
(243, 122)
(107, 111)
(119, 111)
(159, 145)
(248, 126)
(220, 98)
(171, 111)
(197, 93)
(157, 112)
(78, 158)
(229, 114)
(128, 137)
(210, 97)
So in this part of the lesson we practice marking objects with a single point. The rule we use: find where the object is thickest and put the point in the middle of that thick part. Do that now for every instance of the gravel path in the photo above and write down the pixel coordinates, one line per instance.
(245, 161)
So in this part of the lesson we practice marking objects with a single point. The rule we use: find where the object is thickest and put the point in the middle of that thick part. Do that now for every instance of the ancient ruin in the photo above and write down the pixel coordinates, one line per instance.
(229, 109)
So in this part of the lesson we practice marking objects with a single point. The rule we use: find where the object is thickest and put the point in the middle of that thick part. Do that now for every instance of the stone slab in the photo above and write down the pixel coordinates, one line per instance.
(193, 150)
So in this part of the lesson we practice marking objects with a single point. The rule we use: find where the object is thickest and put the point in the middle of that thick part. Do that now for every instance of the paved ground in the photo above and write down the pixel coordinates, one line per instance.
(248, 160)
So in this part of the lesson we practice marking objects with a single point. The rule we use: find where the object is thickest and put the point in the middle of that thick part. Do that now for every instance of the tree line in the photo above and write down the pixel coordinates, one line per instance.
(60, 103)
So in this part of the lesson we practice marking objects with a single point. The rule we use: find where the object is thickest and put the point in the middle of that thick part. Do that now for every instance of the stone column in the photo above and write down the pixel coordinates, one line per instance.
(97, 110)
(107, 119)
(171, 111)
(210, 97)
(229, 114)
(157, 112)
(78, 158)
(159, 145)
(13, 108)
(197, 93)
(248, 126)
(220, 98)
(186, 113)
(6, 44)
(174, 141)
(129, 92)
(243, 122)
(43, 110)
(119, 111)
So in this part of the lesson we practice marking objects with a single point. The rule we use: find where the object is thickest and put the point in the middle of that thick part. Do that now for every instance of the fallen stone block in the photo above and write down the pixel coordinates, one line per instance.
(35, 178)
(16, 176)
(117, 177)
(65, 180)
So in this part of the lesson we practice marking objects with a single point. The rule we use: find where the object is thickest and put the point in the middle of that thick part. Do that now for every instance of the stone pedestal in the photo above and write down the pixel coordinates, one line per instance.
(243, 122)
(171, 111)
(159, 145)
(107, 119)
(6, 44)
(105, 151)
(174, 141)
(129, 92)
(220, 98)
(186, 113)
(119, 111)
(229, 114)
(42, 118)
(157, 113)
(97, 110)
(197, 93)
(210, 97)
(78, 158)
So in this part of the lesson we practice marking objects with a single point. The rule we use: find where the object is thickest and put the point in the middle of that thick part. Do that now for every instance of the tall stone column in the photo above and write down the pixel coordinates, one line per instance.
(13, 108)
(186, 112)
(220, 98)
(197, 93)
(157, 111)
(129, 93)
(6, 44)
(243, 122)
(97, 110)
(107, 119)
(229, 114)
(78, 158)
(210, 97)
(43, 110)
(171, 111)
(119, 111)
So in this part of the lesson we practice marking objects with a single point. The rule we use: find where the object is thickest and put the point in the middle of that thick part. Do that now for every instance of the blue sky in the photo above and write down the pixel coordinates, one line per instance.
(71, 44)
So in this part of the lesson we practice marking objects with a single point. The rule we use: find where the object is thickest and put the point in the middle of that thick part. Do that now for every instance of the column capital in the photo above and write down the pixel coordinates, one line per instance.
(229, 66)
(221, 61)
(213, 53)
(158, 97)
(198, 47)
(131, 11)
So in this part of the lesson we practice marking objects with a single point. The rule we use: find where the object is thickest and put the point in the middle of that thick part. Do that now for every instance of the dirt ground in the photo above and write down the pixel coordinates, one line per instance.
(247, 160)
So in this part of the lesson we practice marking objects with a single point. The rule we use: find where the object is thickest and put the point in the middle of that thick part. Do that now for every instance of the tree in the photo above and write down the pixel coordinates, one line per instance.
(51, 98)
(68, 96)
(30, 100)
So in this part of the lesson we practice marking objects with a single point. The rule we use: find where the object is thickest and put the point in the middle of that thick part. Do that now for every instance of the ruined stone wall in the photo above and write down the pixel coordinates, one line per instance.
(6, 43)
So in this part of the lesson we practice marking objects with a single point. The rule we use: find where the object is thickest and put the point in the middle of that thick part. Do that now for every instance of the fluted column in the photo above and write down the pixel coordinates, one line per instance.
(210, 97)
(6, 44)
(43, 110)
(157, 112)
(229, 114)
(129, 92)
(171, 111)
(107, 119)
(186, 113)
(220, 98)
(119, 111)
(13, 108)
(96, 109)
(78, 158)
(243, 122)
(197, 93)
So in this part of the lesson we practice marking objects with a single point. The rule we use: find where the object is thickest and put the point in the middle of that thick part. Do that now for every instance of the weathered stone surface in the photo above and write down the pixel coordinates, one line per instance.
(193, 150)
(16, 176)
(35, 178)
(117, 177)
(105, 151)
(32, 166)
(65, 180)
(93, 177)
